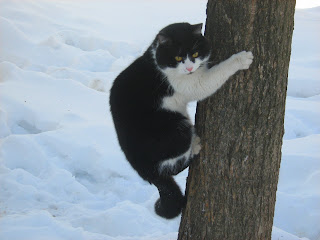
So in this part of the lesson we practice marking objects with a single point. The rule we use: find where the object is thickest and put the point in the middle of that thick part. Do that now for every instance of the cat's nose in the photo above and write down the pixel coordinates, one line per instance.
(189, 69)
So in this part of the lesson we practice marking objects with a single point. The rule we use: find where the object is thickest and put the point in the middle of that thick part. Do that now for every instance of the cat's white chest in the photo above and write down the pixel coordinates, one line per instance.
(176, 103)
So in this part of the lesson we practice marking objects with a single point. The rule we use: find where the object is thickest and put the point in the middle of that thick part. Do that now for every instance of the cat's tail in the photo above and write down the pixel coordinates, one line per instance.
(171, 200)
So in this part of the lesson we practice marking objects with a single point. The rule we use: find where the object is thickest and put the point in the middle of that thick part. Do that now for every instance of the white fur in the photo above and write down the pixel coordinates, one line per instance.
(172, 161)
(177, 103)
(193, 150)
(196, 145)
(203, 82)
(182, 66)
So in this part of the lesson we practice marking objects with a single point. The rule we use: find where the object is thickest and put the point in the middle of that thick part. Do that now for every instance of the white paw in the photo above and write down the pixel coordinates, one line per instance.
(244, 59)
(196, 146)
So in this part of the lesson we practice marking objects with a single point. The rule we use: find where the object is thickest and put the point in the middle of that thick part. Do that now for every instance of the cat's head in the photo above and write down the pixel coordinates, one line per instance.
(181, 49)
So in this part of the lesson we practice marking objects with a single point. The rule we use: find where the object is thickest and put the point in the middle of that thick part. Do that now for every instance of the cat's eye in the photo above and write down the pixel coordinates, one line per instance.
(178, 59)
(195, 55)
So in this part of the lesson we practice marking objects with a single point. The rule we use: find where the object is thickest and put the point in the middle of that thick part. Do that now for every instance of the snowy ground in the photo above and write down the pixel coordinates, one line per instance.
(62, 174)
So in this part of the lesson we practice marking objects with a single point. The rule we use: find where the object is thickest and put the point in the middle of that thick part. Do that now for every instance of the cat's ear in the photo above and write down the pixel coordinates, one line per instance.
(197, 28)
(162, 38)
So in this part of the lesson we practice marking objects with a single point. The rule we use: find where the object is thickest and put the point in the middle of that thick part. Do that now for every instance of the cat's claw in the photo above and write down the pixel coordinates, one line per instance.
(196, 146)
(244, 59)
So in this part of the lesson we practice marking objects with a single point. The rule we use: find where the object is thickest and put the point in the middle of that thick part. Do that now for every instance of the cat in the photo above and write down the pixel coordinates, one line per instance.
(148, 102)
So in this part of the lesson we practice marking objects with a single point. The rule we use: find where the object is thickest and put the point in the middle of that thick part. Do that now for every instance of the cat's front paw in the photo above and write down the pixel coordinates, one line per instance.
(244, 59)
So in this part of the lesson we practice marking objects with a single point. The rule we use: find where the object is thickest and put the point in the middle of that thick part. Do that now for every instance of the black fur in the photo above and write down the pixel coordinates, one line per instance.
(147, 133)
(182, 38)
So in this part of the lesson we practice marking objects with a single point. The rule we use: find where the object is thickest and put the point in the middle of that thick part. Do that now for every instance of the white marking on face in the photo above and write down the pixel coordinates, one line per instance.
(184, 86)
(187, 66)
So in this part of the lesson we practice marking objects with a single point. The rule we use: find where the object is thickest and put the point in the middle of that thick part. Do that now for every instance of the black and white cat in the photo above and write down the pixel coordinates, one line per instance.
(148, 103)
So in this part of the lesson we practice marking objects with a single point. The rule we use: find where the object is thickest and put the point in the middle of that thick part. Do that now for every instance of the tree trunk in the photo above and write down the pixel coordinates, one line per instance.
(232, 184)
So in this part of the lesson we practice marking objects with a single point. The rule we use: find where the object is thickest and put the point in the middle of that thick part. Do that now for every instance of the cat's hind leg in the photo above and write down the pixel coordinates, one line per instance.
(173, 166)
(176, 165)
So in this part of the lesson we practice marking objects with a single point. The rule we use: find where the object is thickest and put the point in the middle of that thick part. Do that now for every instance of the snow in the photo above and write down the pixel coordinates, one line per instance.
(62, 174)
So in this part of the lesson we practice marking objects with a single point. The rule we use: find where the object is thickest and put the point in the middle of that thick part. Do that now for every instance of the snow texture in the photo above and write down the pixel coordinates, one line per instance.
(62, 174)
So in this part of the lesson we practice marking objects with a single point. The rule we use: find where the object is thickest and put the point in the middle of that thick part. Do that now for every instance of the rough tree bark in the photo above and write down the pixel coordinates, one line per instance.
(232, 185)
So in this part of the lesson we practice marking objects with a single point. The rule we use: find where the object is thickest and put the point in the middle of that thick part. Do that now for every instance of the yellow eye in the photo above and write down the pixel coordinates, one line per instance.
(178, 59)
(195, 55)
